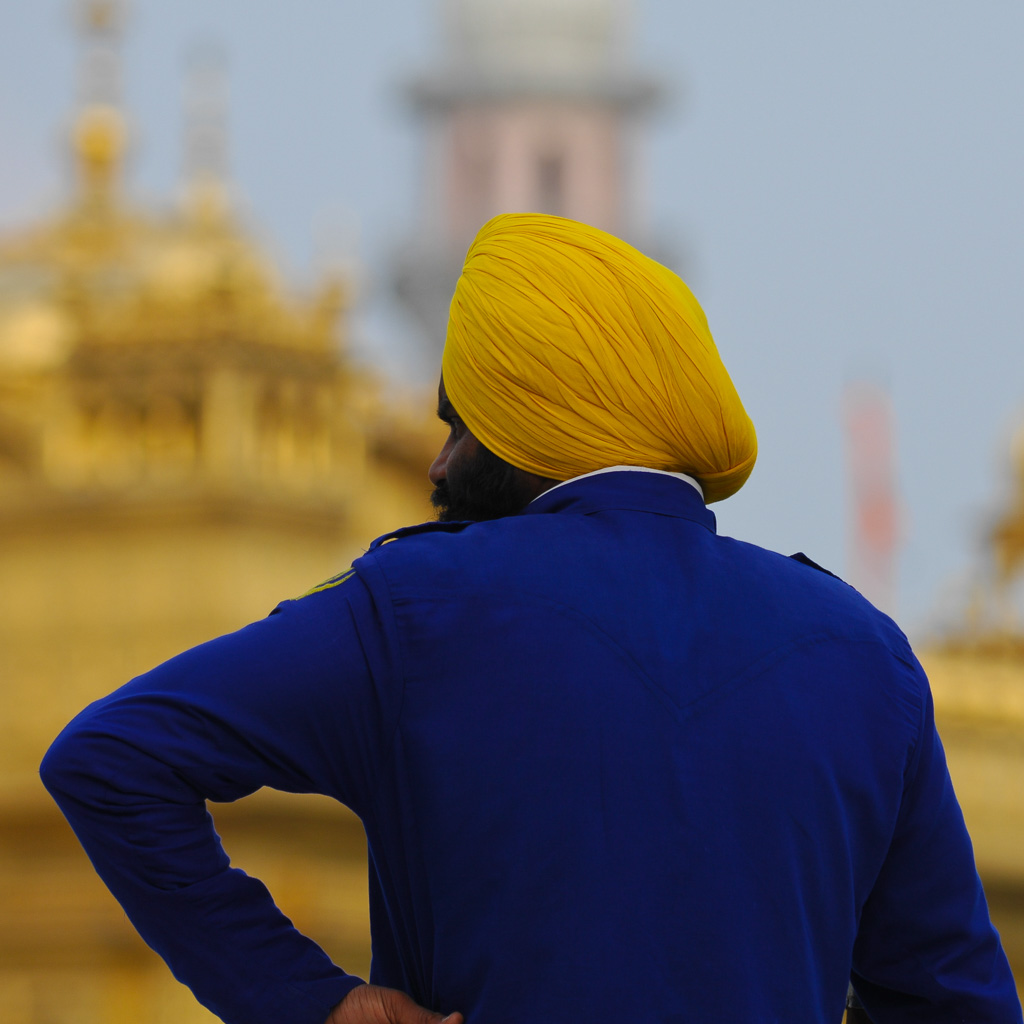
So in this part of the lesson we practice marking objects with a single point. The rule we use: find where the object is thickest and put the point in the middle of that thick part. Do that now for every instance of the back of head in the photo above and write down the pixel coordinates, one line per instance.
(570, 351)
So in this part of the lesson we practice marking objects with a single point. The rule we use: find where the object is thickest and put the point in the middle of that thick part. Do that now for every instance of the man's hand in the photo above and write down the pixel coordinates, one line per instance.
(371, 1004)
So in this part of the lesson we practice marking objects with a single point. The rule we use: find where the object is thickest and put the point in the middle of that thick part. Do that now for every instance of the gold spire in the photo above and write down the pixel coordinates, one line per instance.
(101, 15)
(206, 192)
(1008, 533)
(99, 133)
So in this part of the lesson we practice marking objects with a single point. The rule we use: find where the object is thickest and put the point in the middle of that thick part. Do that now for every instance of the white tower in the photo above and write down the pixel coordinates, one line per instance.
(533, 109)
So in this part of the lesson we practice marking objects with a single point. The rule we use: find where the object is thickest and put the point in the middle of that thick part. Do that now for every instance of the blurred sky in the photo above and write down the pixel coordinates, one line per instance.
(845, 181)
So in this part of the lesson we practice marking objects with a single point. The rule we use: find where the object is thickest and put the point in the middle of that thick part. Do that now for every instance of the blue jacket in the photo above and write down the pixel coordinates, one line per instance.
(611, 767)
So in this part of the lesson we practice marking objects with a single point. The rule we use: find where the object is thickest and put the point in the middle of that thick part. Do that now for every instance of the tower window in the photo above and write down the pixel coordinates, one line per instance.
(551, 185)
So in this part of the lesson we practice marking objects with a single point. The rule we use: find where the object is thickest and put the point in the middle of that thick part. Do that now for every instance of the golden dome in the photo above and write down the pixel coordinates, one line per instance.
(99, 137)
(34, 335)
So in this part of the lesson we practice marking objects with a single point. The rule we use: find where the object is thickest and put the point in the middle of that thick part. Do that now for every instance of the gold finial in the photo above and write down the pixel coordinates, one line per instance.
(99, 138)
(1007, 536)
(99, 134)
(101, 15)
(100, 23)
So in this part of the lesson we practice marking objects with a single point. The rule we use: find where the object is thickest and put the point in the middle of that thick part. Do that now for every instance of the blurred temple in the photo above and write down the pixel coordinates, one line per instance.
(181, 446)
(976, 665)
(977, 675)
(534, 109)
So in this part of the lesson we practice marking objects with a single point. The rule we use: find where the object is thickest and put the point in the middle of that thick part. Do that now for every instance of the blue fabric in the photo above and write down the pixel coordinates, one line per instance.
(611, 766)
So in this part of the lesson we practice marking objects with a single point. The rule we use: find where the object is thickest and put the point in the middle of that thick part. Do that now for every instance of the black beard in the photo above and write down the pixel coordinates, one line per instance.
(488, 488)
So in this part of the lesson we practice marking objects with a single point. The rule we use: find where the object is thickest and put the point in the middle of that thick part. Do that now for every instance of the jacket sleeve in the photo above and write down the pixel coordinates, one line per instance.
(301, 701)
(926, 950)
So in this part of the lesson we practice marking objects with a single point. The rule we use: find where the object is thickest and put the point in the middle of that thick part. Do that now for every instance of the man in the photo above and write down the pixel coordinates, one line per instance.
(611, 766)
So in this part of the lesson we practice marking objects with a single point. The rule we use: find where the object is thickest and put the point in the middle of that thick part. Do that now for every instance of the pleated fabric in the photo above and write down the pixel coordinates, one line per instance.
(569, 351)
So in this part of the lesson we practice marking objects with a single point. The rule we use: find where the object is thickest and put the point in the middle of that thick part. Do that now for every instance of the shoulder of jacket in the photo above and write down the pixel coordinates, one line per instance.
(417, 530)
(886, 630)
(804, 560)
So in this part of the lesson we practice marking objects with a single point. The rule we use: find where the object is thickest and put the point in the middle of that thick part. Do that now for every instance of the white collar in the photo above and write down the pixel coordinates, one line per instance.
(628, 469)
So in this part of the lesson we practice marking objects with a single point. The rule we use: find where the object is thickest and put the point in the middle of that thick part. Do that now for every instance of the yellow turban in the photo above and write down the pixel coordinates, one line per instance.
(569, 351)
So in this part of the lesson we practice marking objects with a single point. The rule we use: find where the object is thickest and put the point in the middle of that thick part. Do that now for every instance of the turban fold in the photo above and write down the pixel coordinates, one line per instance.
(570, 351)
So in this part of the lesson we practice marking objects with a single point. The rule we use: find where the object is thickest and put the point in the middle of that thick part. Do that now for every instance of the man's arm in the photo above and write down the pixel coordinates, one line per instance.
(926, 950)
(303, 701)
